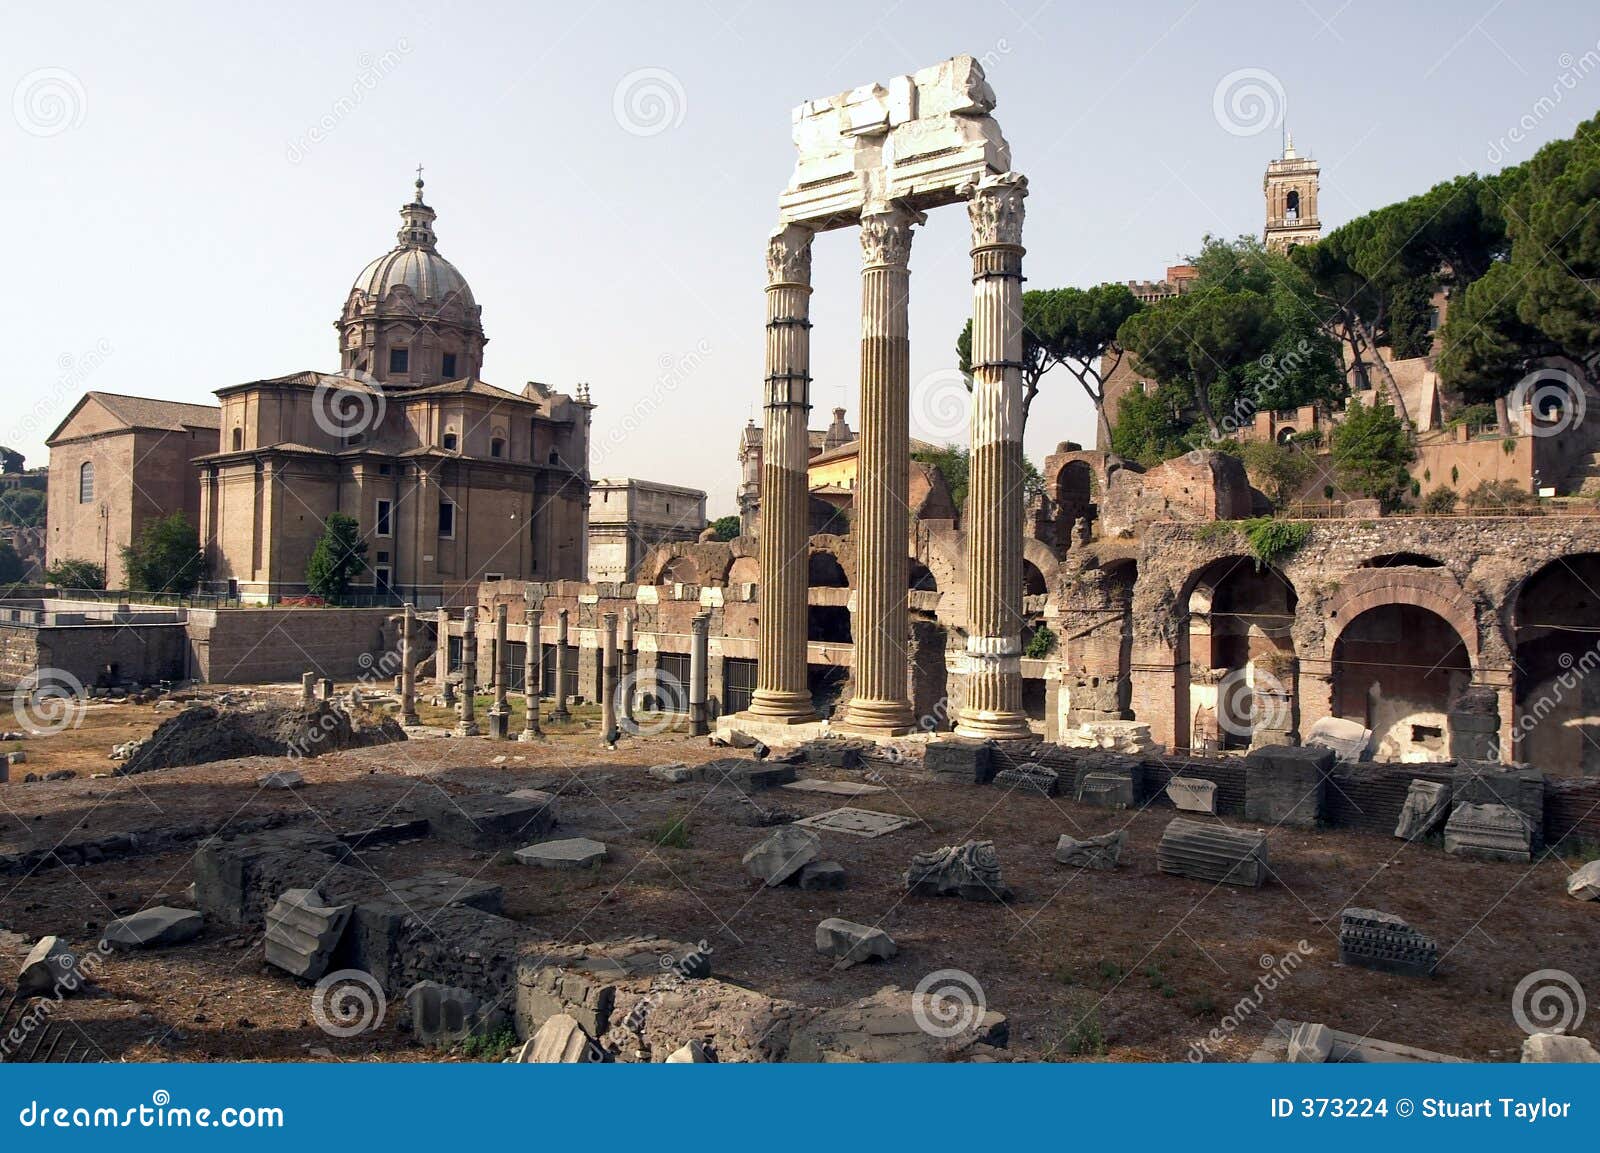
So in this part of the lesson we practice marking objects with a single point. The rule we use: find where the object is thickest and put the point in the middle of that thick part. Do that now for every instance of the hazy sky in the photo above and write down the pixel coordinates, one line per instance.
(189, 190)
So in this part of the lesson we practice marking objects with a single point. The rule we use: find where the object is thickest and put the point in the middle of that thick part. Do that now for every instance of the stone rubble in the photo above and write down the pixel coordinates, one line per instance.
(970, 871)
(1584, 884)
(782, 855)
(303, 931)
(1425, 807)
(852, 943)
(154, 928)
(1102, 852)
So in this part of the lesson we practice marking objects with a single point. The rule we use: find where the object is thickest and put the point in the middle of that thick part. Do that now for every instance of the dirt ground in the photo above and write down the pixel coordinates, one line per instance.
(1128, 965)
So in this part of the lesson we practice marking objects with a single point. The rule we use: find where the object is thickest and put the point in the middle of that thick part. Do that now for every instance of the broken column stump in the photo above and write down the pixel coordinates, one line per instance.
(1211, 852)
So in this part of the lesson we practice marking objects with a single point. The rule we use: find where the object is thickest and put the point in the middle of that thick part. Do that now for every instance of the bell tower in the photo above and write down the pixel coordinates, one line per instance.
(1290, 187)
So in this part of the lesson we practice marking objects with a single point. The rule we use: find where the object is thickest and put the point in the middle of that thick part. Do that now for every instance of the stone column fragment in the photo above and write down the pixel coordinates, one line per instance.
(408, 673)
(782, 695)
(560, 713)
(467, 724)
(500, 711)
(699, 664)
(880, 706)
(630, 661)
(992, 517)
(608, 678)
(532, 675)
(441, 661)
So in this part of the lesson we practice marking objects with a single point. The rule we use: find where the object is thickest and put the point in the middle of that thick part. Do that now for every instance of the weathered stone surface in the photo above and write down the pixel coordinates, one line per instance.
(281, 779)
(50, 965)
(489, 820)
(1427, 802)
(970, 871)
(676, 773)
(694, 1053)
(1310, 1044)
(582, 981)
(836, 751)
(1489, 833)
(1029, 777)
(820, 875)
(303, 930)
(749, 776)
(946, 1024)
(572, 853)
(782, 854)
(443, 1016)
(559, 1041)
(1491, 783)
(238, 879)
(852, 943)
(1348, 739)
(1100, 852)
(153, 928)
(1107, 790)
(1584, 884)
(1285, 784)
(835, 788)
(1193, 794)
(1347, 1048)
(867, 823)
(1212, 852)
(1377, 940)
(1129, 737)
(1545, 1048)
(960, 761)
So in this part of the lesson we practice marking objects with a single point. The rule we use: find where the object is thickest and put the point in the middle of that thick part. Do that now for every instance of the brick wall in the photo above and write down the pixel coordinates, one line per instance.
(243, 646)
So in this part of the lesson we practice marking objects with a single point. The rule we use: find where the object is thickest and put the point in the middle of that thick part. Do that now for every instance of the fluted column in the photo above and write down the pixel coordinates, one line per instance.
(880, 706)
(408, 672)
(560, 713)
(781, 692)
(992, 517)
(532, 675)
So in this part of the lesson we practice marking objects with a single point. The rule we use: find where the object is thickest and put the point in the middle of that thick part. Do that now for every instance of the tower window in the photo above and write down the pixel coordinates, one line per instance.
(399, 360)
(86, 482)
(238, 439)
(1291, 205)
(450, 441)
(449, 366)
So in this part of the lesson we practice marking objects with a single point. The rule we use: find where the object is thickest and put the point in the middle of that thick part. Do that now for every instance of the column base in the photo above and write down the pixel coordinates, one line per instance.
(993, 726)
(409, 720)
(530, 735)
(500, 724)
(781, 708)
(468, 729)
(870, 718)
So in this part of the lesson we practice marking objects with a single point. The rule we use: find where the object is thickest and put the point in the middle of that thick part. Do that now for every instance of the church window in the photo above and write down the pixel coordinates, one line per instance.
(497, 447)
(238, 439)
(86, 482)
(449, 366)
(447, 519)
(1292, 205)
(399, 360)
(384, 518)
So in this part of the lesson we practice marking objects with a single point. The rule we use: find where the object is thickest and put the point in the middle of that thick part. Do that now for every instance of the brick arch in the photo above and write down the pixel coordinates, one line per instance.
(1043, 558)
(1431, 589)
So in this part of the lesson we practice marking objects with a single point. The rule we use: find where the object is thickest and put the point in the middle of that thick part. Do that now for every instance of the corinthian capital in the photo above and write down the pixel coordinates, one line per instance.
(994, 205)
(886, 236)
(789, 255)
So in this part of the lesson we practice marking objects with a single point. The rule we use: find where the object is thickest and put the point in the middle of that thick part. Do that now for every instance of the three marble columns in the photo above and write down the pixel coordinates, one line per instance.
(992, 517)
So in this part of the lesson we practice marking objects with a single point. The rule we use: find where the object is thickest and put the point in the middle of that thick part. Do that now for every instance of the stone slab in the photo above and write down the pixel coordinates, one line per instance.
(1102, 852)
(835, 788)
(1426, 804)
(1348, 1048)
(154, 928)
(852, 943)
(571, 853)
(821, 875)
(1193, 794)
(864, 823)
(1584, 883)
(782, 855)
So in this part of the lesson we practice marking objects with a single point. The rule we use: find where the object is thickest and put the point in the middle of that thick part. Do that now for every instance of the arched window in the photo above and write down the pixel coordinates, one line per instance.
(86, 482)
(1291, 206)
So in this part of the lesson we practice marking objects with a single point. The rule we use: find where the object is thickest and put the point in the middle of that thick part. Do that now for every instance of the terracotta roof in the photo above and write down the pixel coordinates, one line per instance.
(852, 447)
(147, 412)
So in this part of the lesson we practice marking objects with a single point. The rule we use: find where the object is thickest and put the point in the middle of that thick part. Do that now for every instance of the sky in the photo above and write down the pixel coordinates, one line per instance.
(188, 190)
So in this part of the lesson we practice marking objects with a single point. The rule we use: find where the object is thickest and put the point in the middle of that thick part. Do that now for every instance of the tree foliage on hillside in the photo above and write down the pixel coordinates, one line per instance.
(1070, 328)
(1372, 452)
(725, 528)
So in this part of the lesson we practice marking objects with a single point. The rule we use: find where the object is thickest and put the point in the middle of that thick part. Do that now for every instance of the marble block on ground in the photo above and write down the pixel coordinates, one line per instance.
(571, 853)
(153, 928)
(855, 822)
(1193, 794)
(1489, 833)
(852, 943)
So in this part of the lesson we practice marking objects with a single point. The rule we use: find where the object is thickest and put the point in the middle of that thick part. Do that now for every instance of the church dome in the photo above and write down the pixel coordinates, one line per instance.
(415, 262)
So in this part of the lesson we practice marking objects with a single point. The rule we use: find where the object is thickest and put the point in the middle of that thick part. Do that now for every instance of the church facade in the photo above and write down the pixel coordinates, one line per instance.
(451, 479)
